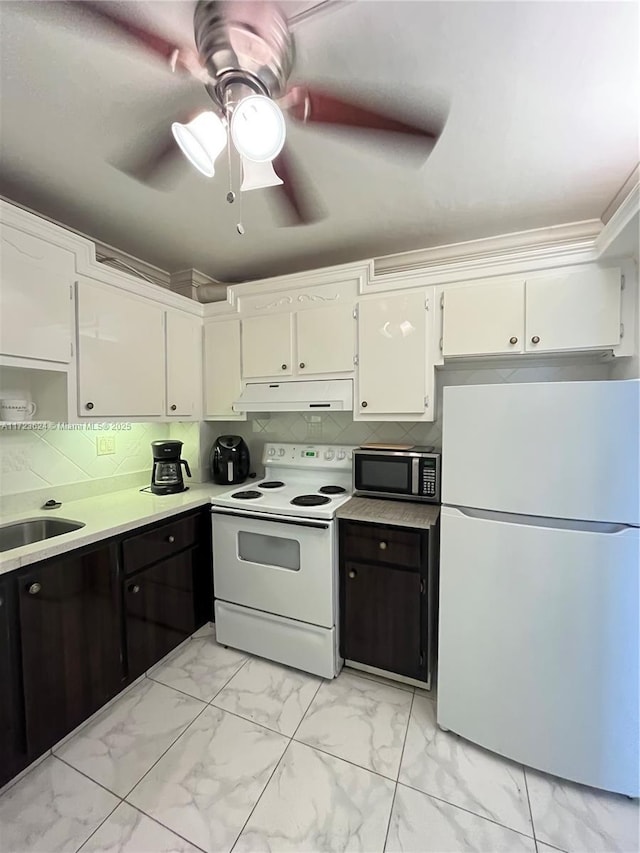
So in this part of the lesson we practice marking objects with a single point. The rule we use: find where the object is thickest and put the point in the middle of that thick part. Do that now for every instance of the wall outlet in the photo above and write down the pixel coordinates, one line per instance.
(105, 445)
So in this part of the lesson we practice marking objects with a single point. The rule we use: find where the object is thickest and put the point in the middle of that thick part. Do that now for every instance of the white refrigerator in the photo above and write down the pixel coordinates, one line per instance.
(539, 576)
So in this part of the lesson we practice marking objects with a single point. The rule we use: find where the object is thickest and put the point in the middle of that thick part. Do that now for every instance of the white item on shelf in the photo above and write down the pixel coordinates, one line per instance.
(17, 410)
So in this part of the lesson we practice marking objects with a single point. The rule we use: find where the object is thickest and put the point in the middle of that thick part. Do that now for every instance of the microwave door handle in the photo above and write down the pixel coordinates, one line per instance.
(415, 472)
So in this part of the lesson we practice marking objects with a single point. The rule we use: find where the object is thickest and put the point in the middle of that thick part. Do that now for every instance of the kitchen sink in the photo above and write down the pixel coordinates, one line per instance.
(34, 530)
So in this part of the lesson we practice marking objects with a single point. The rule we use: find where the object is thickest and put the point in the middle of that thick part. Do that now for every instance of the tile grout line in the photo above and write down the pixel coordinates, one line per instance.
(86, 776)
(275, 768)
(102, 822)
(159, 822)
(395, 788)
(468, 811)
(526, 787)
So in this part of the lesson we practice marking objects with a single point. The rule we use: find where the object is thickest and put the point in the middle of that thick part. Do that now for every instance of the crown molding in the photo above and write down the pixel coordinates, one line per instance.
(627, 209)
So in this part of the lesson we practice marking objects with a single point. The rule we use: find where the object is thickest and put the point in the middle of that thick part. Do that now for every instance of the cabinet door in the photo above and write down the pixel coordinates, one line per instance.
(326, 340)
(222, 380)
(382, 618)
(70, 636)
(36, 317)
(12, 748)
(579, 310)
(483, 319)
(120, 354)
(267, 346)
(159, 611)
(392, 354)
(184, 364)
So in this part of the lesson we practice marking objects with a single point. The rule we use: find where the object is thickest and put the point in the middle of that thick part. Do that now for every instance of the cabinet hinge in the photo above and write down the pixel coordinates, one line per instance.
(355, 360)
(71, 292)
(621, 331)
(423, 586)
(426, 402)
(355, 313)
(622, 282)
(71, 348)
(427, 303)
(421, 658)
(441, 344)
(442, 300)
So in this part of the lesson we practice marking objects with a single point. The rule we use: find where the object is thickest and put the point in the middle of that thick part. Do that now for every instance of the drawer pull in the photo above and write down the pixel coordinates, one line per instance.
(34, 588)
(352, 573)
(171, 539)
(134, 588)
(382, 546)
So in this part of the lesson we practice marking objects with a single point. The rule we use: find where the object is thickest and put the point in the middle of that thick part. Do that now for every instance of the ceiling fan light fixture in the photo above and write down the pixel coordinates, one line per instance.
(258, 176)
(201, 140)
(258, 129)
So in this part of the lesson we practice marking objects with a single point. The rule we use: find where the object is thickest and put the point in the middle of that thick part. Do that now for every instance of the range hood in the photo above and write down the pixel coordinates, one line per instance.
(305, 396)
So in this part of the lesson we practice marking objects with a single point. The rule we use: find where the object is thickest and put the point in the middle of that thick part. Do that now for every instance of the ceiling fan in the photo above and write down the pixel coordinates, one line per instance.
(244, 55)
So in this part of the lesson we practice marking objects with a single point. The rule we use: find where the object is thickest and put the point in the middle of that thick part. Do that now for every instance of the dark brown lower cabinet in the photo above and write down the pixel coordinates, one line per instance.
(159, 611)
(13, 753)
(70, 636)
(387, 613)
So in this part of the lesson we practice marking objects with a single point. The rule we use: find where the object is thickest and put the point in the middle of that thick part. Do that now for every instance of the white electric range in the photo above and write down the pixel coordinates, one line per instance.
(275, 560)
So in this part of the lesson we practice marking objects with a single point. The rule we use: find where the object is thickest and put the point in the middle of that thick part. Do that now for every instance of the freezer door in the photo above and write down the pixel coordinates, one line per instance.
(554, 449)
(538, 645)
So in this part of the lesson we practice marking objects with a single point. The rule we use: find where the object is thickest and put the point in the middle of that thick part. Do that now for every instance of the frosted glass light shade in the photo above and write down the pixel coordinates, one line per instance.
(257, 176)
(258, 129)
(201, 140)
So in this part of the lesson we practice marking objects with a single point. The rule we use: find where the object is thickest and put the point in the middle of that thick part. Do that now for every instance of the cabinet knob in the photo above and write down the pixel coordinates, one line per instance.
(89, 406)
(134, 588)
(535, 339)
(352, 573)
(302, 364)
(34, 588)
(513, 340)
(173, 407)
(171, 539)
(283, 366)
(382, 546)
(364, 404)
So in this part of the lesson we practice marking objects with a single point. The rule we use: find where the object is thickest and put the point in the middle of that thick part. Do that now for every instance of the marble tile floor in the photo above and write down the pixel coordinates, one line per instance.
(215, 750)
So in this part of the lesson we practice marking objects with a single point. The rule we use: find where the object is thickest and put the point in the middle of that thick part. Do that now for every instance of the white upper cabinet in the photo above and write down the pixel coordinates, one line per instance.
(267, 346)
(184, 364)
(120, 353)
(37, 286)
(574, 311)
(483, 319)
(325, 340)
(222, 380)
(392, 380)
(311, 342)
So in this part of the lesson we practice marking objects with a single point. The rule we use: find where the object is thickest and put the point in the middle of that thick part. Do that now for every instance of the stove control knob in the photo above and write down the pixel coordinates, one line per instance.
(281, 451)
(341, 455)
(271, 451)
(329, 454)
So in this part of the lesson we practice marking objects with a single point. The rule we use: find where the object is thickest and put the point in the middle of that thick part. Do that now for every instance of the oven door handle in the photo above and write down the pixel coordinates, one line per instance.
(298, 523)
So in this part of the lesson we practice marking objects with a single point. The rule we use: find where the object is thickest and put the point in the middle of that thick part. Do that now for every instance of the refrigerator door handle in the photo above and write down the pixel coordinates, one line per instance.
(538, 520)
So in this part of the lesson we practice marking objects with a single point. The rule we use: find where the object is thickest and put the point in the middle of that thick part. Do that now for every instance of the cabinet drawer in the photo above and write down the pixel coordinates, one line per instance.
(159, 543)
(377, 543)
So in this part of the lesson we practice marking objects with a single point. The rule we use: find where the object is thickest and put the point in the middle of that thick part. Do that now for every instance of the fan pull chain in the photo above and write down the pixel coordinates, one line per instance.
(231, 196)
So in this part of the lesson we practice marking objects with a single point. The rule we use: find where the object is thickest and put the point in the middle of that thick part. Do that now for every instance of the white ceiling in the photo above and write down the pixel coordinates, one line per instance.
(542, 104)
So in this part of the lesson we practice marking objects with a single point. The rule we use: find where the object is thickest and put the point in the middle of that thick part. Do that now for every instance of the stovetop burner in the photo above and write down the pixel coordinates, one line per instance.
(332, 490)
(247, 495)
(271, 484)
(310, 500)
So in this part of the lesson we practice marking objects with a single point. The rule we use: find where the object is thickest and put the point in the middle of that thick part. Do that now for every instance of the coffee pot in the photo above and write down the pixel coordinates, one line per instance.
(166, 477)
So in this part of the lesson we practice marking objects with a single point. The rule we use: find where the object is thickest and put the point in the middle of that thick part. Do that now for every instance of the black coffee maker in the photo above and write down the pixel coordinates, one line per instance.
(166, 477)
(229, 460)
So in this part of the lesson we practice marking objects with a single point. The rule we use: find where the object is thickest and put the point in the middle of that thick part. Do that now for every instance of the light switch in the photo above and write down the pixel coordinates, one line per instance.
(105, 445)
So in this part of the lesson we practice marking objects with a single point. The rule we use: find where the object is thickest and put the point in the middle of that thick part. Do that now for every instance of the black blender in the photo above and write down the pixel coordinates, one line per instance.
(166, 477)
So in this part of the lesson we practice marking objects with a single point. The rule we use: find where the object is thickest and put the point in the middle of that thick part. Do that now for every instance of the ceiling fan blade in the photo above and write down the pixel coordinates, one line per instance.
(176, 55)
(302, 204)
(150, 164)
(309, 105)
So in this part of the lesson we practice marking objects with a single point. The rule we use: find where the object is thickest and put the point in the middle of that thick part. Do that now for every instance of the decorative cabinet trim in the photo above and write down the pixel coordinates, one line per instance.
(299, 299)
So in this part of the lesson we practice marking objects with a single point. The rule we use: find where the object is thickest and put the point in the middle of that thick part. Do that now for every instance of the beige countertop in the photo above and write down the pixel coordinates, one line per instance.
(381, 511)
(103, 516)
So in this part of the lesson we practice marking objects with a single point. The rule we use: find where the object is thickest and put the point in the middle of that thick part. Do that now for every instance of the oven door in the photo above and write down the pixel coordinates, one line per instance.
(280, 565)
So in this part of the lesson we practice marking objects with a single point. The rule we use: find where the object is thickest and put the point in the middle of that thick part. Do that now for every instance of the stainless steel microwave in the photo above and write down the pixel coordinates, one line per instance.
(412, 475)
